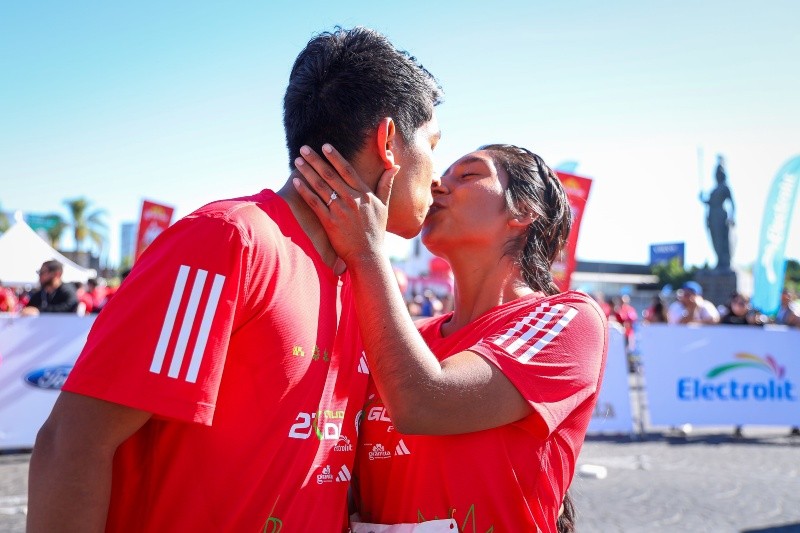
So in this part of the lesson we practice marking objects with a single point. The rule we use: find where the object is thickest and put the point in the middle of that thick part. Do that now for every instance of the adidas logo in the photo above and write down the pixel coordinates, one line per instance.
(344, 474)
(362, 364)
(401, 448)
(379, 452)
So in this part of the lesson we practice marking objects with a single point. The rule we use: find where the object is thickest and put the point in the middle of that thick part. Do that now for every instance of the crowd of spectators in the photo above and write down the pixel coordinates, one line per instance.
(53, 295)
(690, 307)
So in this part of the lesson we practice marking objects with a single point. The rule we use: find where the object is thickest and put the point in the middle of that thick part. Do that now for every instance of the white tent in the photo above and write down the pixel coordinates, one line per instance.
(22, 252)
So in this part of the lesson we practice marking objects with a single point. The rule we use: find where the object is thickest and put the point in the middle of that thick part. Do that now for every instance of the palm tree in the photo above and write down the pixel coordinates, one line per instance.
(86, 224)
(55, 229)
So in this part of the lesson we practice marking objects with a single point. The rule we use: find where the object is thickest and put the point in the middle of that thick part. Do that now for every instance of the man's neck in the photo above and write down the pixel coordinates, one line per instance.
(51, 287)
(308, 220)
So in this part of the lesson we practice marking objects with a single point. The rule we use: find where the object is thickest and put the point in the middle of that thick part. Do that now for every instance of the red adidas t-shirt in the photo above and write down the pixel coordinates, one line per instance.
(511, 478)
(244, 345)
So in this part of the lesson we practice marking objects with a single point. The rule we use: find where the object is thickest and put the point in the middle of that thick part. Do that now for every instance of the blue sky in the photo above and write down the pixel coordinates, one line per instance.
(180, 102)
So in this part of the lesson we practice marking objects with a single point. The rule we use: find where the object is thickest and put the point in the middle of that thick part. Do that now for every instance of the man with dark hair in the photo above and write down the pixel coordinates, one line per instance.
(53, 296)
(338, 84)
(221, 383)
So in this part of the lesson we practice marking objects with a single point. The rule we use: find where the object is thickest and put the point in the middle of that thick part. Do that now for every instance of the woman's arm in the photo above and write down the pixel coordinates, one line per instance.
(465, 392)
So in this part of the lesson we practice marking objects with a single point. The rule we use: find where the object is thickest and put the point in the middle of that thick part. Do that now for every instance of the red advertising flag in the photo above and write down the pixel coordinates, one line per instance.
(154, 219)
(577, 189)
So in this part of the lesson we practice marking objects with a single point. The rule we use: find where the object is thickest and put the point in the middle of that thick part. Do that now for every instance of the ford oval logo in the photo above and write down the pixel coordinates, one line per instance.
(51, 378)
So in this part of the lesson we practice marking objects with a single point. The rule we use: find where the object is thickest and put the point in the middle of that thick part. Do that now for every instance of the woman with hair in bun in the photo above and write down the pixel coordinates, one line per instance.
(476, 416)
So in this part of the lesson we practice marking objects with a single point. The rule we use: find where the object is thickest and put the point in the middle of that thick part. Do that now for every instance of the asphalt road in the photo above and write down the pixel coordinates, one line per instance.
(705, 481)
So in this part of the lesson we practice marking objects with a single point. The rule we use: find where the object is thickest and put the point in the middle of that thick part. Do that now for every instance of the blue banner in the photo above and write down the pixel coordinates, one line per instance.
(770, 266)
(664, 253)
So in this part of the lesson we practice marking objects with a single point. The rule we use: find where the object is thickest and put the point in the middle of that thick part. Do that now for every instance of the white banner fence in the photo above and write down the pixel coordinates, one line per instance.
(36, 354)
(613, 411)
(713, 375)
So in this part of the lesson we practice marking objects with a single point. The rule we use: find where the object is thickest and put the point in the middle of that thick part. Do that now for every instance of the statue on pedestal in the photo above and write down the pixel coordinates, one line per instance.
(720, 221)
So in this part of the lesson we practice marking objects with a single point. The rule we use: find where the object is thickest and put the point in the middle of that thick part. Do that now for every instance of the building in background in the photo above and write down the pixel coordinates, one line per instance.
(127, 244)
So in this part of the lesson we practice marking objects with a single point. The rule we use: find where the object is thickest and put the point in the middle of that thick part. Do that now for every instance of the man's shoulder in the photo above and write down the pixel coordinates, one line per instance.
(67, 288)
(240, 208)
(251, 215)
(709, 306)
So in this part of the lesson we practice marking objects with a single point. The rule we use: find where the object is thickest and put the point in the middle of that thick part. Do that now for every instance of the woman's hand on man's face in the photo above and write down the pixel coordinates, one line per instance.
(354, 217)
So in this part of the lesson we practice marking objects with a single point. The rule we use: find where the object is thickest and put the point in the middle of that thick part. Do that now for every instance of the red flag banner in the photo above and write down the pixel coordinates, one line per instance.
(154, 219)
(577, 189)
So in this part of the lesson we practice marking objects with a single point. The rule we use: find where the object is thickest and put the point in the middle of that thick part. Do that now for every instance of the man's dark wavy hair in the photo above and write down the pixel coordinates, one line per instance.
(344, 82)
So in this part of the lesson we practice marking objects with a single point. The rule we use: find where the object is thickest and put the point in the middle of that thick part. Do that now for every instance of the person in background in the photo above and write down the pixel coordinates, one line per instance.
(53, 295)
(431, 305)
(789, 315)
(657, 312)
(85, 302)
(627, 316)
(8, 299)
(97, 290)
(739, 312)
(691, 308)
(789, 311)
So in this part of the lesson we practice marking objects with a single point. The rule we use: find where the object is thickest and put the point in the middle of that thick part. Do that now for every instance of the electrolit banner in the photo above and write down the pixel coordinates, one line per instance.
(717, 375)
(577, 189)
(770, 264)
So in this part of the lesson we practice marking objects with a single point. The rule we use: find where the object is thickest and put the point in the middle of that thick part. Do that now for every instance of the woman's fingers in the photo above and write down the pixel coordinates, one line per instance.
(346, 171)
(314, 181)
(323, 177)
(336, 177)
(312, 199)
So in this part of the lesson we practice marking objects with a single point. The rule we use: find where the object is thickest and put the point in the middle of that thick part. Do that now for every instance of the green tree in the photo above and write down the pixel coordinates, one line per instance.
(792, 277)
(673, 273)
(86, 223)
(4, 222)
(55, 228)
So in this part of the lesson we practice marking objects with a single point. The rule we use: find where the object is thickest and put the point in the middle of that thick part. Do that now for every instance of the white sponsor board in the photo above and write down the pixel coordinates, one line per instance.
(37, 354)
(613, 411)
(719, 375)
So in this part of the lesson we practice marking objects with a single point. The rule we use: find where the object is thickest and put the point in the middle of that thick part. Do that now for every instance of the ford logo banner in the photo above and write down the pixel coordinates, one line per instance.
(50, 378)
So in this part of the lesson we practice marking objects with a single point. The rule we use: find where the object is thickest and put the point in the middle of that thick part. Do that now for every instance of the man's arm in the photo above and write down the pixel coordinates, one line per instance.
(69, 482)
(709, 314)
(680, 314)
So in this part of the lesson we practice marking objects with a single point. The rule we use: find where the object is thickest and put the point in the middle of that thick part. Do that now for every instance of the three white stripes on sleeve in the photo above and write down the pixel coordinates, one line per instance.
(189, 319)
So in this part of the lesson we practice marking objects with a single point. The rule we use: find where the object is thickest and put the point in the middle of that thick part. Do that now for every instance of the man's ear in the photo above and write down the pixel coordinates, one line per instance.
(385, 138)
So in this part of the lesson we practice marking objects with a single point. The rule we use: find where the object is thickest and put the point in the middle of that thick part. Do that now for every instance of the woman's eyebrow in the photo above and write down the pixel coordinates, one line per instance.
(465, 161)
